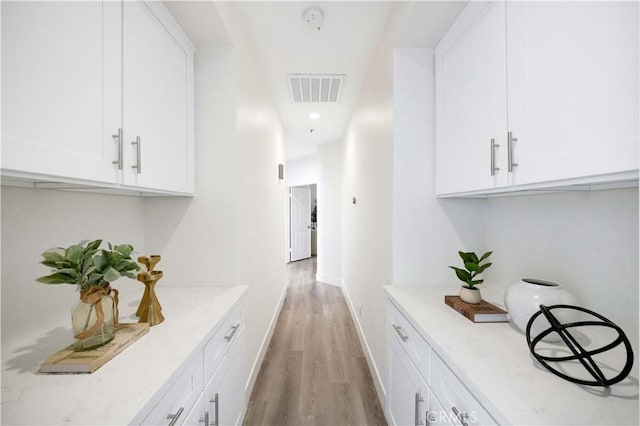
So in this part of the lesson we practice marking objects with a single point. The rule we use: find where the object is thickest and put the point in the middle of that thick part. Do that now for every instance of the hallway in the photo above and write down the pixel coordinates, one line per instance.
(314, 372)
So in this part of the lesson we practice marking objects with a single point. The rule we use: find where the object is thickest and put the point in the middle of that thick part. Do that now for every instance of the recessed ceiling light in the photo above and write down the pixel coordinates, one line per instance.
(314, 116)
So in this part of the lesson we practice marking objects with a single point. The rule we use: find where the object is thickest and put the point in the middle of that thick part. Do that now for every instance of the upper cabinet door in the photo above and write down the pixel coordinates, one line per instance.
(471, 101)
(61, 89)
(157, 88)
(573, 88)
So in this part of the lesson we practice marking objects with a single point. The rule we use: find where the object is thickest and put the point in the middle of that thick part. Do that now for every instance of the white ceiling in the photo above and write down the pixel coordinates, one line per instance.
(284, 44)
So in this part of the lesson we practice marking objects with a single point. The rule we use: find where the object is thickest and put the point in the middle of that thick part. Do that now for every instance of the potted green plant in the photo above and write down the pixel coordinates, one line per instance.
(91, 269)
(473, 267)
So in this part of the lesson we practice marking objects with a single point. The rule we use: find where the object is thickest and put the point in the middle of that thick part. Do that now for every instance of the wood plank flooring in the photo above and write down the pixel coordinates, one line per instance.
(314, 371)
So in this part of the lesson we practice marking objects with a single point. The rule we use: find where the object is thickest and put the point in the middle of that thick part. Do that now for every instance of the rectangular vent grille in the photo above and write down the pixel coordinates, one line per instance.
(315, 87)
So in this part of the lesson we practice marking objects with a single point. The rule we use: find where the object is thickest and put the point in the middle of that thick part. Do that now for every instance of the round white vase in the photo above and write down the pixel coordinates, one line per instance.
(470, 295)
(523, 299)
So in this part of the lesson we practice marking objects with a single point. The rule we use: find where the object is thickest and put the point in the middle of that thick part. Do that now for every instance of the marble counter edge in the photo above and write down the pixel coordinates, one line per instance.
(223, 300)
(412, 302)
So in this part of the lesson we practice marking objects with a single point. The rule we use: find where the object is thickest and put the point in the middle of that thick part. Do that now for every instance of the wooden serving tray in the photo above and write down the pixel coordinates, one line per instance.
(68, 361)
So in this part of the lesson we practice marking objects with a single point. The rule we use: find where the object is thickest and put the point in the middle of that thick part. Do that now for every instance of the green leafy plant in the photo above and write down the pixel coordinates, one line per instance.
(473, 268)
(86, 265)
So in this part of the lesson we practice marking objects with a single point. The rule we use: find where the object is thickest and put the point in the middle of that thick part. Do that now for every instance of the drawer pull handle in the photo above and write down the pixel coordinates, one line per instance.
(398, 330)
(138, 165)
(233, 332)
(206, 419)
(510, 141)
(215, 401)
(461, 416)
(494, 145)
(419, 399)
(174, 417)
(118, 138)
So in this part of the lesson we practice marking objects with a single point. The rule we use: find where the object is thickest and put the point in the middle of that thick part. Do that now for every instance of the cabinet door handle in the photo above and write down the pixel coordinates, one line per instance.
(174, 417)
(206, 419)
(138, 165)
(494, 145)
(510, 141)
(419, 399)
(215, 401)
(462, 416)
(233, 332)
(118, 139)
(398, 330)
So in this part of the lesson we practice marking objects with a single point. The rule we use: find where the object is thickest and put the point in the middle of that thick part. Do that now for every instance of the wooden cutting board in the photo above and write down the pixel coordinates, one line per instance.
(68, 361)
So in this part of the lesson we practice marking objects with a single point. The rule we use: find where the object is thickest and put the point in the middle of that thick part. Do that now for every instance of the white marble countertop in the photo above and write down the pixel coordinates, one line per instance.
(493, 361)
(129, 384)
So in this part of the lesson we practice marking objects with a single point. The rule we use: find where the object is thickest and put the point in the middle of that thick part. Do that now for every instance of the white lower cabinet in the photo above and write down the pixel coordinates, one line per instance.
(422, 390)
(408, 393)
(224, 394)
(209, 389)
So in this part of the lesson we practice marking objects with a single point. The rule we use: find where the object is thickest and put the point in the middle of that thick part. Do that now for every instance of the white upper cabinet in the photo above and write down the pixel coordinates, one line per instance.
(61, 89)
(82, 80)
(559, 95)
(158, 65)
(472, 100)
(573, 88)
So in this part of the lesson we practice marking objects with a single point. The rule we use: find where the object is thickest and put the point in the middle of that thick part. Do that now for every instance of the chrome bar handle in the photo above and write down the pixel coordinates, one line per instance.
(138, 165)
(461, 416)
(398, 330)
(510, 141)
(215, 401)
(174, 417)
(419, 399)
(205, 420)
(494, 145)
(118, 136)
(233, 332)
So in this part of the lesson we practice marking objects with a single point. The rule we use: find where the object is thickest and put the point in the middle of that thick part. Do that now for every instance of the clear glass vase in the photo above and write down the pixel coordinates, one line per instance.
(87, 328)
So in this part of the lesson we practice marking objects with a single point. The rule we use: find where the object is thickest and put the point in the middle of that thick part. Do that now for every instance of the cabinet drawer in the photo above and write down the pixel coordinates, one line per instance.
(410, 340)
(218, 345)
(454, 397)
(180, 396)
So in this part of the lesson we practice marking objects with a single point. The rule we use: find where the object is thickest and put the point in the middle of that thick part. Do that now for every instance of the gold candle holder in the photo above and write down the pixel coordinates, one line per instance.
(149, 309)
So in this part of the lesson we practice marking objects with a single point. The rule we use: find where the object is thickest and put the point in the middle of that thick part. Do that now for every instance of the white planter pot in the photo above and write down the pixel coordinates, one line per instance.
(470, 295)
(523, 299)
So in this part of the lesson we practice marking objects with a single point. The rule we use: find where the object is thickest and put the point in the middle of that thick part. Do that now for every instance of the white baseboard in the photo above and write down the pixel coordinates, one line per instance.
(328, 279)
(253, 375)
(377, 380)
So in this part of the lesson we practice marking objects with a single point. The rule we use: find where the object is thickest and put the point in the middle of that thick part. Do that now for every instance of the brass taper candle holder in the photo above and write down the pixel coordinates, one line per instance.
(149, 309)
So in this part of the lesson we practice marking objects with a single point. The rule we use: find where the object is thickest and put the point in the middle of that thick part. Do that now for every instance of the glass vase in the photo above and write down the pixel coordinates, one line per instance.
(88, 329)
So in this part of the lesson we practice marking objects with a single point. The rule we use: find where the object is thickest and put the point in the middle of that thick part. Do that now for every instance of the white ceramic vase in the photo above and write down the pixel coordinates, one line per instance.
(470, 295)
(523, 299)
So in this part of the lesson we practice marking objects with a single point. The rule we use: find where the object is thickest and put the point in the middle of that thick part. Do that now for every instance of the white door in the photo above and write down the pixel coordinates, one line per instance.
(300, 212)
(155, 102)
(573, 88)
(472, 104)
(61, 89)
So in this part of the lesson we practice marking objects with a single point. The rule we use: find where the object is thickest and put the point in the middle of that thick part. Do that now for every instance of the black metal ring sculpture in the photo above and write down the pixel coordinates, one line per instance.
(579, 353)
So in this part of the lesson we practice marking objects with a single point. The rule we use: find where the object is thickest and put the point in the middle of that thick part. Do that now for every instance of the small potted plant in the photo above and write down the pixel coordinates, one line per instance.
(473, 267)
(92, 269)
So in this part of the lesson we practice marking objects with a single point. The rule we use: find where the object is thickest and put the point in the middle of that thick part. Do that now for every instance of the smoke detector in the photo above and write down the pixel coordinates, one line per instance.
(313, 17)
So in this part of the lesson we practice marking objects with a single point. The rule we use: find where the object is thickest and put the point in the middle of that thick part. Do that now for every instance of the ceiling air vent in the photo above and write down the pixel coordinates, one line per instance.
(315, 87)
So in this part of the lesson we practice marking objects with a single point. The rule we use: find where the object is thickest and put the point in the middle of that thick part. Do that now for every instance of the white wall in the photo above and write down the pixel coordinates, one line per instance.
(585, 241)
(34, 220)
(302, 171)
(329, 267)
(368, 176)
(201, 231)
(427, 232)
(259, 198)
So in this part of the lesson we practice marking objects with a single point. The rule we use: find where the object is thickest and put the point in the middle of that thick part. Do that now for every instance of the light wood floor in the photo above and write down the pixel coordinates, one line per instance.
(314, 372)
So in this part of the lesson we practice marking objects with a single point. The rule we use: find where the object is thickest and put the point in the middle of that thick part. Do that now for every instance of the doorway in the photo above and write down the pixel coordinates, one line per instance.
(303, 222)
